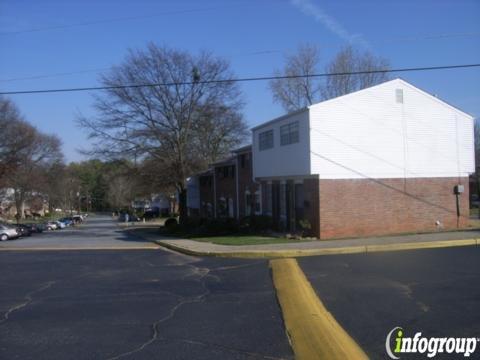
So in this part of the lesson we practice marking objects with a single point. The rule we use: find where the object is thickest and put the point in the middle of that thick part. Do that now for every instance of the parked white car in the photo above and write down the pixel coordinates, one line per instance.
(60, 225)
(51, 225)
(8, 232)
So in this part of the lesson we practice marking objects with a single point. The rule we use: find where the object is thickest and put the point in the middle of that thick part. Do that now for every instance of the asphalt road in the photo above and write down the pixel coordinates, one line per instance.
(436, 292)
(134, 304)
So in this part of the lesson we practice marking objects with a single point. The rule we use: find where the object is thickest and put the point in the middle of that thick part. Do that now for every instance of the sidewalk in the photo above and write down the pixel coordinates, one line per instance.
(322, 247)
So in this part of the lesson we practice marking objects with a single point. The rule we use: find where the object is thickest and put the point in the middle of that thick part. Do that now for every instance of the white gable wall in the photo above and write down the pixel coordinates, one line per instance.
(369, 134)
(281, 161)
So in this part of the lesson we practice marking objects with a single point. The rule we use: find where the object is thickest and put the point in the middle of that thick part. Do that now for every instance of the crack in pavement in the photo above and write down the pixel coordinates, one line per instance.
(203, 272)
(223, 347)
(28, 299)
(234, 267)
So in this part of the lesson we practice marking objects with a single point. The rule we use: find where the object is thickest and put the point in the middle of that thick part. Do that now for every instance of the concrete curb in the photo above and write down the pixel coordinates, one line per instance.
(324, 251)
(313, 331)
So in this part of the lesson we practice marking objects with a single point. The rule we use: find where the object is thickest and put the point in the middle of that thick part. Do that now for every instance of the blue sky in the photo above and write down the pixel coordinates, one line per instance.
(253, 35)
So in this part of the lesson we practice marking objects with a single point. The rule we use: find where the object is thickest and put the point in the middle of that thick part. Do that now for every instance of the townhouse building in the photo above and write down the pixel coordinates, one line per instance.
(227, 189)
(386, 159)
(383, 160)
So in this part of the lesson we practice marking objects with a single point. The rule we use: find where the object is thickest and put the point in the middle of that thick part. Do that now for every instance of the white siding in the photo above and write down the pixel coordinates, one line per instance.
(369, 134)
(287, 160)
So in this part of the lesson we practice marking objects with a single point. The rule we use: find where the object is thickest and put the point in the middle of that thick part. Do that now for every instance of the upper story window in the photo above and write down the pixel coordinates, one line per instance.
(206, 181)
(265, 140)
(289, 133)
(227, 171)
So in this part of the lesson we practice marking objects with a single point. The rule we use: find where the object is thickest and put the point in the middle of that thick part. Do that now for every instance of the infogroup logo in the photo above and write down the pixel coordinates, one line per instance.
(400, 344)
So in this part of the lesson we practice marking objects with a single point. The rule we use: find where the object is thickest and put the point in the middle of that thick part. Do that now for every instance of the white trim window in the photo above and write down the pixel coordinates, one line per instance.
(268, 199)
(248, 203)
(289, 134)
(257, 203)
(265, 140)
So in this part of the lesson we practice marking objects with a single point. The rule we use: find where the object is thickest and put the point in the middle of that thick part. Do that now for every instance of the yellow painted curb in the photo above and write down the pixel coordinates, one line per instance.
(421, 245)
(324, 251)
(313, 331)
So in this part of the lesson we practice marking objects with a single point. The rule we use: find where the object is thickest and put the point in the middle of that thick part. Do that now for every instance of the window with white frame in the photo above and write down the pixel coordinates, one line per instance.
(268, 199)
(289, 133)
(283, 203)
(222, 207)
(248, 203)
(265, 140)
(257, 203)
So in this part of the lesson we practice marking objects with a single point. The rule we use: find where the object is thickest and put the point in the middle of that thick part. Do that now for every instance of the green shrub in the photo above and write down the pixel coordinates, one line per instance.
(256, 223)
(212, 227)
(305, 226)
(171, 223)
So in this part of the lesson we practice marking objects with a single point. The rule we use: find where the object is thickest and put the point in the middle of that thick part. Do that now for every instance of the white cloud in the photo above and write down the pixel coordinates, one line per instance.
(310, 9)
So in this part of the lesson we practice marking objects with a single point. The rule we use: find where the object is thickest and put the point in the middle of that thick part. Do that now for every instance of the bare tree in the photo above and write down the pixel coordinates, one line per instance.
(162, 122)
(33, 162)
(297, 92)
(351, 60)
(219, 131)
(299, 88)
(16, 136)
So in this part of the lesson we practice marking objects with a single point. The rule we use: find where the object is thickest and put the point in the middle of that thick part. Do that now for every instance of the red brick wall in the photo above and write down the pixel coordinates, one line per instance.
(206, 193)
(359, 207)
(225, 187)
(245, 181)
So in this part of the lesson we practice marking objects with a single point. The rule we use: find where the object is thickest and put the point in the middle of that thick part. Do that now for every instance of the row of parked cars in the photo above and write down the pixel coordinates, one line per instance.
(14, 231)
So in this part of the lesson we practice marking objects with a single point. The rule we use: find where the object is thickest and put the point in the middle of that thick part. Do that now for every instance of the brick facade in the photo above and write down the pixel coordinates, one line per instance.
(206, 195)
(245, 181)
(220, 189)
(225, 189)
(359, 207)
(336, 208)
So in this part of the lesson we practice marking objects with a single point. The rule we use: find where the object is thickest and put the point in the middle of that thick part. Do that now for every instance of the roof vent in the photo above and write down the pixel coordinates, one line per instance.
(399, 96)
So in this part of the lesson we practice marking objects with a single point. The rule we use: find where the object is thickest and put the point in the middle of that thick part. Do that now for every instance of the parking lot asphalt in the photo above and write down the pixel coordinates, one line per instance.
(136, 304)
(98, 232)
(435, 291)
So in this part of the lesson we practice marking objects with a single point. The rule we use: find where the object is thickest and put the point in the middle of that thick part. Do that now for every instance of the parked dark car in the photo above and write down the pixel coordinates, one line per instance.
(36, 228)
(24, 230)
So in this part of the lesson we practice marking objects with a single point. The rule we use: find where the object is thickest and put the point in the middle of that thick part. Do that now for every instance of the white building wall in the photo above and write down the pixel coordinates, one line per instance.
(287, 160)
(369, 134)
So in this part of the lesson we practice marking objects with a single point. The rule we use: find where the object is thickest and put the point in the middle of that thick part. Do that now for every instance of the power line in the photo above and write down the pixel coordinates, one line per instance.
(86, 71)
(37, 77)
(386, 185)
(103, 21)
(431, 37)
(262, 78)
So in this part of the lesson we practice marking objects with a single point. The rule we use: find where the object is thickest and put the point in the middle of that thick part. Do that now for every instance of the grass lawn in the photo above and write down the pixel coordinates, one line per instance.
(244, 240)
(221, 240)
